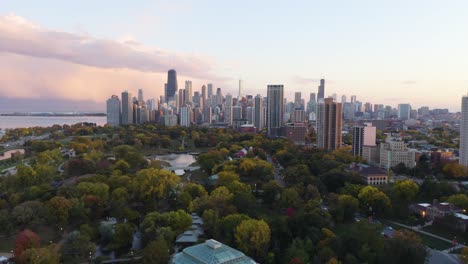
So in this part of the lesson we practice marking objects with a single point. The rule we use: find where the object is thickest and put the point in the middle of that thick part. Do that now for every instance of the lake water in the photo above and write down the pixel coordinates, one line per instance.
(46, 121)
(177, 160)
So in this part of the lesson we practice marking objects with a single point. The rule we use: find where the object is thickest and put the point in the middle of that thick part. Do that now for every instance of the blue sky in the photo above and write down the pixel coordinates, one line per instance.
(382, 51)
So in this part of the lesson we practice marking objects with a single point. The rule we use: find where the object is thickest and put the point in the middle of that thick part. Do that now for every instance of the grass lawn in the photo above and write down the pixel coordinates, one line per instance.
(446, 233)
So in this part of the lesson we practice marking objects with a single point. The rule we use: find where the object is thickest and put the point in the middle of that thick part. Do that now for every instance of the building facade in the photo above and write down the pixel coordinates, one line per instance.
(329, 124)
(464, 132)
(275, 109)
(113, 111)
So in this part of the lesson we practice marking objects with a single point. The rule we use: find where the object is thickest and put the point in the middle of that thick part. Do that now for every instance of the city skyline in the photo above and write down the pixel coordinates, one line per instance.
(76, 58)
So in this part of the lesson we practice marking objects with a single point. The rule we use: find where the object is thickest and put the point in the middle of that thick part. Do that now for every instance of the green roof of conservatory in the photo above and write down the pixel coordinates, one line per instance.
(211, 252)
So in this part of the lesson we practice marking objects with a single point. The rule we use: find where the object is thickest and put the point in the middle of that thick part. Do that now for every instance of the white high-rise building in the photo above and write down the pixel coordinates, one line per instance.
(241, 89)
(464, 132)
(188, 91)
(394, 151)
(113, 111)
(185, 116)
(228, 110)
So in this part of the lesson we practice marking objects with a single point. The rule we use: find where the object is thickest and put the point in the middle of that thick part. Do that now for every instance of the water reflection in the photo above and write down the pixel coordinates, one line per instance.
(177, 160)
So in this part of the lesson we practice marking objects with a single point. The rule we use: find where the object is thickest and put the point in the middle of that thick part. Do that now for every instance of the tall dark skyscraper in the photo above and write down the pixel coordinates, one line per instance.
(171, 85)
(321, 89)
(275, 109)
(127, 108)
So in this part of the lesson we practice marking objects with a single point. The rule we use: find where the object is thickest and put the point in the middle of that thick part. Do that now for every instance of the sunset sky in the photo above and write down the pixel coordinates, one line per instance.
(73, 55)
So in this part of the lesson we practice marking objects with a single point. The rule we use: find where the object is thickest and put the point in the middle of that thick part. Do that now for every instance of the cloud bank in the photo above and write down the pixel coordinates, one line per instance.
(37, 62)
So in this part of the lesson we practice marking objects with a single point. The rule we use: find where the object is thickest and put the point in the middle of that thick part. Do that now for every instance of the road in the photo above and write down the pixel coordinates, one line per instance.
(276, 171)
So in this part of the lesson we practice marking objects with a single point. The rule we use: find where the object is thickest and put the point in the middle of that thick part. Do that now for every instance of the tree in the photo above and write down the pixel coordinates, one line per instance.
(122, 166)
(374, 200)
(226, 177)
(59, 208)
(157, 252)
(77, 246)
(28, 212)
(299, 252)
(253, 237)
(404, 247)
(153, 184)
(45, 255)
(404, 192)
(344, 207)
(464, 255)
(26, 239)
(209, 160)
(290, 198)
(123, 236)
(271, 192)
(6, 222)
(296, 174)
(228, 225)
(460, 200)
(211, 222)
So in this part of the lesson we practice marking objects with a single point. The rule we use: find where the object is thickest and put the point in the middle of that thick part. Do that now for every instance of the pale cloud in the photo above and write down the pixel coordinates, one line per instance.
(41, 63)
(19, 36)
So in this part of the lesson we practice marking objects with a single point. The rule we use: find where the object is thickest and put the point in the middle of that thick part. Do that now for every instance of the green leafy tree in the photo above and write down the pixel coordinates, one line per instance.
(460, 200)
(374, 200)
(404, 247)
(226, 177)
(154, 184)
(253, 237)
(228, 225)
(123, 236)
(77, 247)
(156, 252)
(44, 255)
(59, 209)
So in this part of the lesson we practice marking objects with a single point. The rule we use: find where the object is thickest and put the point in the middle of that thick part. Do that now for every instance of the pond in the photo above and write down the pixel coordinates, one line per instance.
(177, 160)
(7, 154)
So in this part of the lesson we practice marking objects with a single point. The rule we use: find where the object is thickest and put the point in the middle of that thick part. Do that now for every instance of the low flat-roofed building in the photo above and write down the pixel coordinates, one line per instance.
(211, 252)
(372, 175)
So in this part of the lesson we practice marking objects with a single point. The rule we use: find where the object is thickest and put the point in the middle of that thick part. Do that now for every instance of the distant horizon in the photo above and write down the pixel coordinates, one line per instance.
(384, 53)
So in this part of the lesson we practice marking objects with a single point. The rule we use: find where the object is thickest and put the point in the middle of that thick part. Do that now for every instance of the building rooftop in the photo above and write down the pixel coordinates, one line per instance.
(211, 252)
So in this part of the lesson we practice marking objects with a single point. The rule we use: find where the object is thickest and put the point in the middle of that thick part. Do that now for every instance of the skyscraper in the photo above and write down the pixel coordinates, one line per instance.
(228, 110)
(171, 85)
(241, 88)
(404, 111)
(275, 109)
(127, 108)
(188, 91)
(258, 112)
(329, 122)
(210, 90)
(203, 94)
(363, 136)
(297, 99)
(140, 96)
(321, 90)
(464, 132)
(185, 116)
(113, 111)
